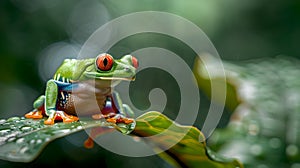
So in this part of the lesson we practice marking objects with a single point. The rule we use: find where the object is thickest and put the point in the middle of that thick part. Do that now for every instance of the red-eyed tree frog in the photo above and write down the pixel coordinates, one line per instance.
(78, 83)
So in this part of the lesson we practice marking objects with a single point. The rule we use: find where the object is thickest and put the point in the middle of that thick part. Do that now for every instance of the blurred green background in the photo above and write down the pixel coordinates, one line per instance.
(37, 35)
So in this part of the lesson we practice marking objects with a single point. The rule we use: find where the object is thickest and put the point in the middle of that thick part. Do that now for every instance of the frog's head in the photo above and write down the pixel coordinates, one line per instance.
(105, 67)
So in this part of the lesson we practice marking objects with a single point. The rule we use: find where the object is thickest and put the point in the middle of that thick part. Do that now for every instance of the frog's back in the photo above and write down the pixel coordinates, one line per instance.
(71, 69)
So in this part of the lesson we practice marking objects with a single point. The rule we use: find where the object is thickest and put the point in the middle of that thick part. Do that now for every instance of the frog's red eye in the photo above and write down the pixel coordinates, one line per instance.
(135, 62)
(104, 62)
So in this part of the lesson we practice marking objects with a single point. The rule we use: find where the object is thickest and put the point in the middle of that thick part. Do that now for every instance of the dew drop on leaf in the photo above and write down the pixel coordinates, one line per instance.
(13, 127)
(26, 129)
(38, 141)
(24, 149)
(4, 132)
(20, 141)
(13, 119)
(2, 121)
(11, 139)
(32, 141)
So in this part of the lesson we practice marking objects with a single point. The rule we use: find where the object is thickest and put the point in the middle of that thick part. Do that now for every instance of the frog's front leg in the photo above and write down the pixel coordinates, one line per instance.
(123, 109)
(50, 105)
(38, 106)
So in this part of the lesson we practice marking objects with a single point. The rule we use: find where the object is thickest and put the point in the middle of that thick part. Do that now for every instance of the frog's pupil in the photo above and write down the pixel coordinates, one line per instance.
(105, 62)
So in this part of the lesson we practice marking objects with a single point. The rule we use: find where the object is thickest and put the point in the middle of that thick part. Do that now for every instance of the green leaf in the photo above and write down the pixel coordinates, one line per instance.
(23, 139)
(182, 146)
(229, 74)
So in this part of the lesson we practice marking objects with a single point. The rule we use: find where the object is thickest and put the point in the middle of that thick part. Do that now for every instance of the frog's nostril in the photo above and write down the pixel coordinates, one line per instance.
(127, 69)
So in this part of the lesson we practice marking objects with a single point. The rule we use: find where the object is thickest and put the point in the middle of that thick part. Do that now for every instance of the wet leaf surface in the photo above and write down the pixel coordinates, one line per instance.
(22, 140)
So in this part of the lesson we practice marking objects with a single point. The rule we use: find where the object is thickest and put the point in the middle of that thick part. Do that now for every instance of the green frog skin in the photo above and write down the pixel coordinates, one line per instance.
(85, 87)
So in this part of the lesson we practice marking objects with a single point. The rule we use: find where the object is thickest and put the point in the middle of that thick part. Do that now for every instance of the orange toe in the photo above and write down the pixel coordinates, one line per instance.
(34, 115)
(89, 143)
(111, 120)
(128, 120)
(49, 121)
(70, 119)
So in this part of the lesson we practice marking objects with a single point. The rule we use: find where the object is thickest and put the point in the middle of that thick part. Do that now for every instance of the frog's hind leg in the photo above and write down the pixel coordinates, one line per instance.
(107, 112)
(60, 115)
(124, 111)
(65, 117)
(121, 117)
(112, 115)
(38, 106)
(115, 111)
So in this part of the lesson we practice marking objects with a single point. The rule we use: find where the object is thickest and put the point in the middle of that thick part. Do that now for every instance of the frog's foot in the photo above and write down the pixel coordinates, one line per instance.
(113, 118)
(89, 143)
(49, 121)
(66, 117)
(35, 114)
(60, 115)
(103, 116)
(120, 119)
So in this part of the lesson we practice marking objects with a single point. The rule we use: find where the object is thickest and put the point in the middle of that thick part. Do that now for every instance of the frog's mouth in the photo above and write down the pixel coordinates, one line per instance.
(116, 78)
(94, 75)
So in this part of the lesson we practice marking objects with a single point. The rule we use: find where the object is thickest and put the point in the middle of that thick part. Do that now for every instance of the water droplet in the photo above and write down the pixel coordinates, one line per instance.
(26, 129)
(20, 141)
(6, 123)
(2, 121)
(32, 141)
(24, 149)
(62, 131)
(13, 119)
(10, 139)
(4, 132)
(38, 141)
(28, 122)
